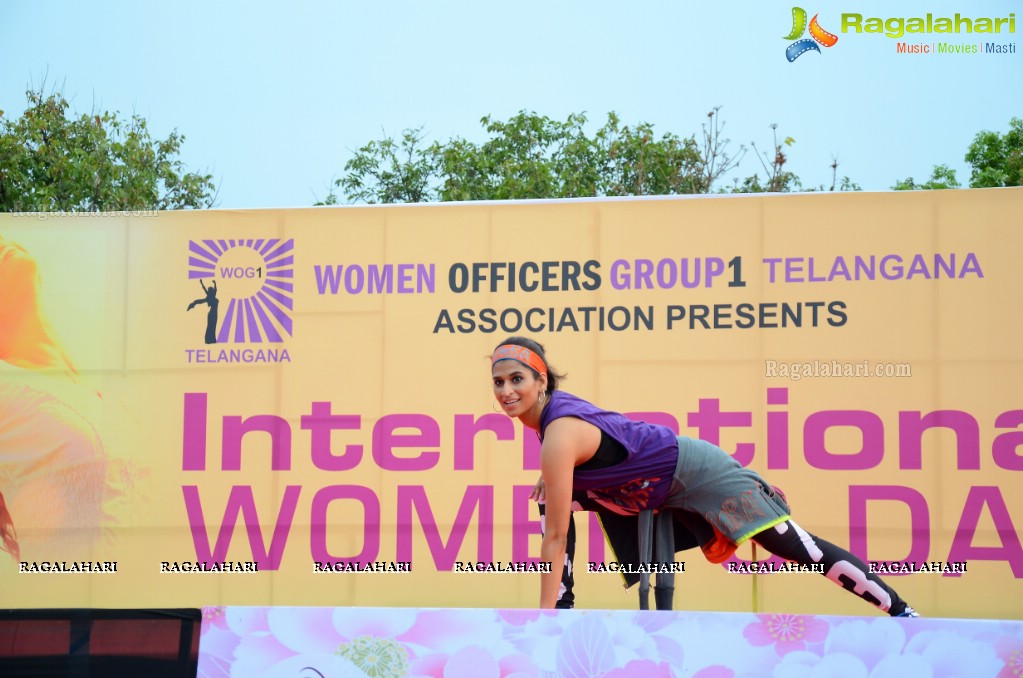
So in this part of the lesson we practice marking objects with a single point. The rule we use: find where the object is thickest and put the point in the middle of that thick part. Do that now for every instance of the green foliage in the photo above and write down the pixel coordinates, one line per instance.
(53, 161)
(388, 171)
(776, 178)
(997, 159)
(942, 176)
(533, 156)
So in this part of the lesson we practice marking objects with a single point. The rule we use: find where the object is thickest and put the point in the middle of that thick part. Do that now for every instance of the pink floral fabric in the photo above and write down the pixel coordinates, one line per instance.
(306, 642)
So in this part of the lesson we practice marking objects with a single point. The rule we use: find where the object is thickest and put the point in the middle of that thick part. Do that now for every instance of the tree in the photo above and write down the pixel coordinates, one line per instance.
(534, 156)
(942, 176)
(388, 171)
(997, 159)
(777, 178)
(51, 160)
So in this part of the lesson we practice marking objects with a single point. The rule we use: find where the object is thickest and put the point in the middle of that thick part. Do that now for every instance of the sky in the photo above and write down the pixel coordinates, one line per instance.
(274, 98)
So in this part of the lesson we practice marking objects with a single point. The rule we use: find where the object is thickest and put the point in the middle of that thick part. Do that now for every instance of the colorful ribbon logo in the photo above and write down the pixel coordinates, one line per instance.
(819, 35)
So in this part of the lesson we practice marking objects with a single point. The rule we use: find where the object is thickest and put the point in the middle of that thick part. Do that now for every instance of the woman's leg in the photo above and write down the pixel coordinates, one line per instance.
(788, 540)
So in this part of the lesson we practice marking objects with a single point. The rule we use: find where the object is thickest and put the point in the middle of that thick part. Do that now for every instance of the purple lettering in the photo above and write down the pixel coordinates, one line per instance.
(793, 268)
(644, 274)
(689, 282)
(380, 281)
(715, 267)
(405, 279)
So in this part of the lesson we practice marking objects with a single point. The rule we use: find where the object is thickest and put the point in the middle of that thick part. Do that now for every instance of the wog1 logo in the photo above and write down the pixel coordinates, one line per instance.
(802, 46)
(254, 279)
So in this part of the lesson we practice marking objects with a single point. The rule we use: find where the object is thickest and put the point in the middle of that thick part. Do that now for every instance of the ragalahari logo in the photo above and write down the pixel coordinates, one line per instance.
(255, 282)
(818, 36)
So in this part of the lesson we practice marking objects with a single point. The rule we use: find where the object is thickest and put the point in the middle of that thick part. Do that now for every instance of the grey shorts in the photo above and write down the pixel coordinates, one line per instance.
(711, 484)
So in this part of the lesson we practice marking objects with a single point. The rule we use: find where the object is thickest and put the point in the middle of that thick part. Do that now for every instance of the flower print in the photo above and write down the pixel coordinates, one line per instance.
(869, 639)
(803, 664)
(952, 651)
(516, 617)
(716, 671)
(646, 668)
(446, 631)
(473, 662)
(787, 632)
(1010, 650)
(377, 657)
(213, 617)
(311, 665)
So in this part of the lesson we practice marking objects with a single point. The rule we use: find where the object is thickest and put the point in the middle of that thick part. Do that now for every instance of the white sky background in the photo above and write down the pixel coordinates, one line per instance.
(274, 98)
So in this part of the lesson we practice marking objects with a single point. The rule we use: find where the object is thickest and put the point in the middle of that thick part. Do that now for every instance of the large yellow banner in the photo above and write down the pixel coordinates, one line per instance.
(266, 393)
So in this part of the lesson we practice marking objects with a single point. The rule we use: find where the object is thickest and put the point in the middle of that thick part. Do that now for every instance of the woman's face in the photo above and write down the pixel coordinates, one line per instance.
(516, 388)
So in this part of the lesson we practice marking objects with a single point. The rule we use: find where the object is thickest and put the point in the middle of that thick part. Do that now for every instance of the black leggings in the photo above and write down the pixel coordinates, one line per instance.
(791, 542)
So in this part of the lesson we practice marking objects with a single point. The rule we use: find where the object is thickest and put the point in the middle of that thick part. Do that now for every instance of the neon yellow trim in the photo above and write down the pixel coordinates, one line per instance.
(776, 521)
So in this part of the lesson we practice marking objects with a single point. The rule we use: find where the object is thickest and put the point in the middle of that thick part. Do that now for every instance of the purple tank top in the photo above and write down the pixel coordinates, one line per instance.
(643, 479)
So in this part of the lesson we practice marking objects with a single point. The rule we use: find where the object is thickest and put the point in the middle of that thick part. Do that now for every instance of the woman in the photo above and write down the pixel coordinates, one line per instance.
(211, 316)
(54, 469)
(628, 466)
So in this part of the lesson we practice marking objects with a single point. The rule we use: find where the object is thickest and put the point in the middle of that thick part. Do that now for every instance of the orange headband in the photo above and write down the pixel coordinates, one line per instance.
(520, 354)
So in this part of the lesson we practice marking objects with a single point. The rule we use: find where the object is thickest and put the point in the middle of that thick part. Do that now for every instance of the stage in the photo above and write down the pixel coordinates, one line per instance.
(276, 642)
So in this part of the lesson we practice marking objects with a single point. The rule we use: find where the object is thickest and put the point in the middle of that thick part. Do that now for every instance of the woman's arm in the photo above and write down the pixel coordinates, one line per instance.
(567, 443)
(557, 462)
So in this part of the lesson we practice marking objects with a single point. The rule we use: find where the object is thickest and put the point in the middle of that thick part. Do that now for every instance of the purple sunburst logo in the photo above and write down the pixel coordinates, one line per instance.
(254, 278)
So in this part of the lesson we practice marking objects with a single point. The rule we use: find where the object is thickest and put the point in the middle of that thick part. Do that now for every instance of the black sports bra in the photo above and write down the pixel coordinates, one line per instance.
(609, 453)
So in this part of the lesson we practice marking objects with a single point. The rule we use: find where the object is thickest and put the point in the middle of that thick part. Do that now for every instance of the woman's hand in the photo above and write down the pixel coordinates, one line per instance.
(539, 493)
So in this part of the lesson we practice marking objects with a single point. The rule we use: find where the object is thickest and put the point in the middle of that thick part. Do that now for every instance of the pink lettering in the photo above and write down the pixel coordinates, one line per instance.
(235, 429)
(467, 427)
(523, 526)
(193, 443)
(919, 516)
(777, 430)
(385, 440)
(963, 549)
(709, 420)
(1005, 449)
(241, 501)
(320, 422)
(444, 555)
(370, 522)
(911, 429)
(871, 450)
